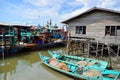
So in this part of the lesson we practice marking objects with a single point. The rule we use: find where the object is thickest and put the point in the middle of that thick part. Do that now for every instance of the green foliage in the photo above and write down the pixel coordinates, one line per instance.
(55, 26)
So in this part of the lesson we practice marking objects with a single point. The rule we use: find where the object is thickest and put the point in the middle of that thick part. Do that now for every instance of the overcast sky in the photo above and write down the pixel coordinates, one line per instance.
(40, 11)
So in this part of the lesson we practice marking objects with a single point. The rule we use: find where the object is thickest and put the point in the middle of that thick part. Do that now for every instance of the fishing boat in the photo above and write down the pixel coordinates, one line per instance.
(92, 63)
(80, 72)
(30, 46)
(9, 48)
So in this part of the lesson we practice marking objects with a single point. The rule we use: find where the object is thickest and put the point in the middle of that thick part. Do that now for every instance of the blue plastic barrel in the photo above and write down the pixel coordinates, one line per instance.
(39, 42)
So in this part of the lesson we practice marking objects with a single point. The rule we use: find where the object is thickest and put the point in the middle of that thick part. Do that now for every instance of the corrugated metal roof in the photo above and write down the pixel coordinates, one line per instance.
(14, 24)
(92, 9)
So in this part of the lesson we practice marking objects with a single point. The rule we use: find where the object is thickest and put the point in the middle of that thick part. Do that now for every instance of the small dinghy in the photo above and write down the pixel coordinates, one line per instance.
(78, 71)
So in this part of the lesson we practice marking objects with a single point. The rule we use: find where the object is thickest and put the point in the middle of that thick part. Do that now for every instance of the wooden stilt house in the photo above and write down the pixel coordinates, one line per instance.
(102, 25)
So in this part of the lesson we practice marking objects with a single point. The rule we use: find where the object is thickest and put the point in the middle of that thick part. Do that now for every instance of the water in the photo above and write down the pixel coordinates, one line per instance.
(27, 66)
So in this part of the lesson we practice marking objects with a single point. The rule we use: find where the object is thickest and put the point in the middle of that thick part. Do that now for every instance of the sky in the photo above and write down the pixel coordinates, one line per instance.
(34, 12)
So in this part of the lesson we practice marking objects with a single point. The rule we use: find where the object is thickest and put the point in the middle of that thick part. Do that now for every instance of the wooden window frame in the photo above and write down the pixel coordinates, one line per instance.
(80, 30)
(112, 31)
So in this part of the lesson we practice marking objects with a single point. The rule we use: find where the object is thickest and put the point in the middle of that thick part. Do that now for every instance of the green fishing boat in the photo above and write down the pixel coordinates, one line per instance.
(92, 63)
(80, 72)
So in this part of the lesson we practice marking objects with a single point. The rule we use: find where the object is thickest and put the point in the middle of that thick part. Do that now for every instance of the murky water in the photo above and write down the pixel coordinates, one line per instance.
(27, 66)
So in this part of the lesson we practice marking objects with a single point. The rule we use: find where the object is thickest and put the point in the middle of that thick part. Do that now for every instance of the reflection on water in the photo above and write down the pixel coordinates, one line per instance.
(27, 66)
(26, 71)
(30, 72)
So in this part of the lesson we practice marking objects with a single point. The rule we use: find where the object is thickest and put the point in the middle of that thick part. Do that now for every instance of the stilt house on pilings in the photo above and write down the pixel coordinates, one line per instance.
(96, 31)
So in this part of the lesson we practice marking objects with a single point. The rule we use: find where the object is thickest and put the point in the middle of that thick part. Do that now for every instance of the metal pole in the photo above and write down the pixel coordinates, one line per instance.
(3, 44)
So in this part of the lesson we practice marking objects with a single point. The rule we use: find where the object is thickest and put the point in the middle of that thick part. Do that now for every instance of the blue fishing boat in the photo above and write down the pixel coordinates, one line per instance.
(81, 72)
(92, 63)
(10, 50)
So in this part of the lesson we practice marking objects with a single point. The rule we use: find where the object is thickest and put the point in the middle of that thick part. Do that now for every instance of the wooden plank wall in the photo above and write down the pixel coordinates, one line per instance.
(95, 24)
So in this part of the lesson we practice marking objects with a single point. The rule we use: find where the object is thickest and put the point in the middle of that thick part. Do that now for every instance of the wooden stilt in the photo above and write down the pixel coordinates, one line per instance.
(109, 55)
(76, 47)
(97, 49)
(83, 47)
(68, 44)
(88, 49)
(102, 50)
(118, 50)
(79, 48)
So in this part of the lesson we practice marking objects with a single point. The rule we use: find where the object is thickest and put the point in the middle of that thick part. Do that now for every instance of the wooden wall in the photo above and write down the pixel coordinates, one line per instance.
(95, 23)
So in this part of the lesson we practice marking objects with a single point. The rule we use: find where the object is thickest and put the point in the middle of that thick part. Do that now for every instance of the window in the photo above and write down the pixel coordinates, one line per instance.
(118, 27)
(112, 30)
(113, 33)
(107, 30)
(118, 30)
(80, 29)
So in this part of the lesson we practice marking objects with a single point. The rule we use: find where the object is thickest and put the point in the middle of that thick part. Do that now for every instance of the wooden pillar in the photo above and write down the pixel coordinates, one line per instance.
(88, 49)
(83, 47)
(109, 55)
(118, 51)
(77, 47)
(68, 44)
(102, 50)
(76, 42)
(97, 48)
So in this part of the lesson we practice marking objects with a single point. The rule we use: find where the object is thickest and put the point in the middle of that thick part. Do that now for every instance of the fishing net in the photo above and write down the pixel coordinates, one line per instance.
(60, 65)
(82, 63)
(92, 73)
(63, 66)
(85, 63)
(52, 59)
(53, 62)
(80, 70)
(91, 63)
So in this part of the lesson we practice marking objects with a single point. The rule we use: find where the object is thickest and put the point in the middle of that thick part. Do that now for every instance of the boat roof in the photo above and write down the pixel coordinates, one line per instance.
(15, 25)
(90, 10)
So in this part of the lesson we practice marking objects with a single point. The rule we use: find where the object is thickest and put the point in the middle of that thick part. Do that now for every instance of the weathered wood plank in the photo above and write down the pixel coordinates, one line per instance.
(95, 25)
